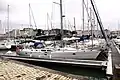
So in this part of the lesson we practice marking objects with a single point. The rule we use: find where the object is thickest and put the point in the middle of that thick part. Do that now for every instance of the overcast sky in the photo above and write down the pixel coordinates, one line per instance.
(19, 12)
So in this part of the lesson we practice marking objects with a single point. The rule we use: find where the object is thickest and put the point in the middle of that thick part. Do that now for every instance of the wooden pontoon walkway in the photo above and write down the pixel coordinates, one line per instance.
(10, 70)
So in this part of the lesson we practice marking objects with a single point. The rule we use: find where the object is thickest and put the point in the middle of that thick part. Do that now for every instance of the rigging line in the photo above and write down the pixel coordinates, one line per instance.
(99, 20)
(91, 19)
(86, 7)
(33, 17)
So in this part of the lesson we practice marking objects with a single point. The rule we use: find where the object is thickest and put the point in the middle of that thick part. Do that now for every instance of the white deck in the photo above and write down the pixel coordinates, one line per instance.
(109, 65)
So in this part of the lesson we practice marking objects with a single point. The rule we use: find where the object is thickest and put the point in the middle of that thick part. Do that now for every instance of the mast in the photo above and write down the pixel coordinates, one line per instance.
(83, 22)
(8, 21)
(75, 31)
(29, 17)
(94, 23)
(91, 24)
(65, 24)
(69, 26)
(97, 27)
(47, 23)
(52, 26)
(61, 21)
(88, 16)
(74, 24)
(51, 23)
(88, 19)
(83, 16)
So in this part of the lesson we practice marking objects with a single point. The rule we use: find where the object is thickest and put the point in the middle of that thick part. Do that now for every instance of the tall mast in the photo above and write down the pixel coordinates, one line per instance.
(47, 23)
(97, 29)
(52, 18)
(74, 24)
(65, 24)
(69, 25)
(83, 21)
(61, 21)
(8, 21)
(29, 17)
(91, 24)
(83, 15)
(94, 22)
(75, 31)
(88, 19)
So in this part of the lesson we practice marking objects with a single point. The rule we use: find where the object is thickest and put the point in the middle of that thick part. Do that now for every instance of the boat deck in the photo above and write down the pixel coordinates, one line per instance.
(115, 60)
(115, 54)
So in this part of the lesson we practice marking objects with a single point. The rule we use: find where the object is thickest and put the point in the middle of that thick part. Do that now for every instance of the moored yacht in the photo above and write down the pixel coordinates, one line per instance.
(6, 44)
(59, 53)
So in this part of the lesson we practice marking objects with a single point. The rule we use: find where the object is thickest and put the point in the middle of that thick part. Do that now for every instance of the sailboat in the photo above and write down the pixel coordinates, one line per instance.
(6, 44)
(61, 52)
(68, 55)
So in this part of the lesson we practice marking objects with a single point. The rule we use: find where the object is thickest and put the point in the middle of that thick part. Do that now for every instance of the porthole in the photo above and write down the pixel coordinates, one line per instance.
(74, 54)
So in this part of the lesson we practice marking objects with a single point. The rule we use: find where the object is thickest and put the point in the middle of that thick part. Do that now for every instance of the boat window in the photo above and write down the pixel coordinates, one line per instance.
(74, 54)
(36, 50)
(2, 44)
(48, 50)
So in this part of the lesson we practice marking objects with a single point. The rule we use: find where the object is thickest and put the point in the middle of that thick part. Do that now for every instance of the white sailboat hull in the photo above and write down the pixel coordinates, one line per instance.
(66, 54)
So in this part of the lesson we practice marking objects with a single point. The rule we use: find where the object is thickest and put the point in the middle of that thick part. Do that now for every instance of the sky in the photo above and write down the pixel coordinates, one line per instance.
(19, 13)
